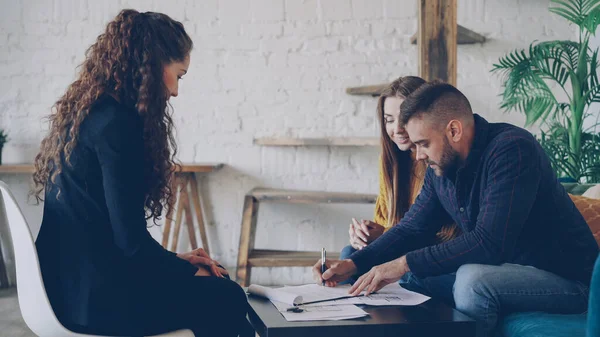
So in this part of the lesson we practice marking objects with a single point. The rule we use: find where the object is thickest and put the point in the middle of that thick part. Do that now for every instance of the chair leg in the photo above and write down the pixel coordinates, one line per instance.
(199, 213)
(169, 219)
(189, 220)
(178, 218)
(247, 235)
(3, 272)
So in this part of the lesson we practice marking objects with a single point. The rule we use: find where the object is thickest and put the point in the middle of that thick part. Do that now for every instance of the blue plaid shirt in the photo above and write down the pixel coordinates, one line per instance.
(510, 207)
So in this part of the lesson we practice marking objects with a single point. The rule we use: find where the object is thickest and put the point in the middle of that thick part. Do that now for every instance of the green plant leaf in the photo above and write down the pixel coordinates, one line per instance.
(588, 5)
(567, 14)
(591, 21)
(585, 167)
(576, 11)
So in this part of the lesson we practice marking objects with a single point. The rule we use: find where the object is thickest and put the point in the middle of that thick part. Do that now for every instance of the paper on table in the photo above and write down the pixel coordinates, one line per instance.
(392, 294)
(313, 292)
(274, 294)
(296, 295)
(320, 313)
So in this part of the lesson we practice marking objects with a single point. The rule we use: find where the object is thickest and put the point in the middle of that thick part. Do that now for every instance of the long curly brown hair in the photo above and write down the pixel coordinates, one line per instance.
(126, 61)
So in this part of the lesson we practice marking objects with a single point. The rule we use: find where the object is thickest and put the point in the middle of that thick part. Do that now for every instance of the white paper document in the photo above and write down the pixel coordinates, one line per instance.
(275, 294)
(392, 294)
(331, 303)
(320, 313)
(296, 295)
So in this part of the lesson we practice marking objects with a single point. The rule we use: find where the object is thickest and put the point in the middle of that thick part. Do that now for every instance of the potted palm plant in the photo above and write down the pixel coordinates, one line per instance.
(3, 140)
(531, 78)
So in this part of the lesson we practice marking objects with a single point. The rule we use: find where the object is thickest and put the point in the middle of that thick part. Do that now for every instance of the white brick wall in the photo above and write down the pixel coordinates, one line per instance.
(261, 68)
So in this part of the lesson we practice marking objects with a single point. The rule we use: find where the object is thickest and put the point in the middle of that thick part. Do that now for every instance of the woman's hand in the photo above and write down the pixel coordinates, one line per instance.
(202, 271)
(364, 232)
(200, 259)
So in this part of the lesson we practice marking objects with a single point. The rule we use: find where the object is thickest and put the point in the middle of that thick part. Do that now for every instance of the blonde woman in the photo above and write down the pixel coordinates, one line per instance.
(400, 175)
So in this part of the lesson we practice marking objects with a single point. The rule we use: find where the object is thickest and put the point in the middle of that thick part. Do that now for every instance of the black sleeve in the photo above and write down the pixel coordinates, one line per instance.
(120, 150)
(416, 230)
(510, 192)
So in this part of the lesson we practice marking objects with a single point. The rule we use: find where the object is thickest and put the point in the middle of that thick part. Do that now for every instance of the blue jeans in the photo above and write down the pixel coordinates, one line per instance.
(487, 293)
(345, 254)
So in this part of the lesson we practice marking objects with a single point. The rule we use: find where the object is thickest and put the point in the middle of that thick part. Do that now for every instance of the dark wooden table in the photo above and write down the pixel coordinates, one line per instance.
(429, 319)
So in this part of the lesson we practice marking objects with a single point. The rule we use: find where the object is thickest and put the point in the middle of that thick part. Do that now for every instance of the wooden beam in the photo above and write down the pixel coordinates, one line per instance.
(464, 36)
(437, 40)
(327, 141)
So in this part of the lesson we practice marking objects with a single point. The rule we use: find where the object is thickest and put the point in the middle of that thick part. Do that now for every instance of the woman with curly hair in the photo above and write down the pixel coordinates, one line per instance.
(105, 168)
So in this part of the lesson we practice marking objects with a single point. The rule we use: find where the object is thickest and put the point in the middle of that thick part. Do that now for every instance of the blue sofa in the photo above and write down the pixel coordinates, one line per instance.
(536, 324)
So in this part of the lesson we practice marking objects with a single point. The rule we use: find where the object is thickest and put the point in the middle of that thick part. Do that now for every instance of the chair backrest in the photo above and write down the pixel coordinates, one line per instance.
(34, 303)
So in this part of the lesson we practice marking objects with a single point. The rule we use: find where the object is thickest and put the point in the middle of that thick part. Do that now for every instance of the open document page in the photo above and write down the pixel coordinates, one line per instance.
(296, 295)
(316, 295)
(392, 294)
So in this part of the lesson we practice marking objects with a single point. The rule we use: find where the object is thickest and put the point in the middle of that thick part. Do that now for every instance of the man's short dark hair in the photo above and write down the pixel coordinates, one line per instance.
(437, 100)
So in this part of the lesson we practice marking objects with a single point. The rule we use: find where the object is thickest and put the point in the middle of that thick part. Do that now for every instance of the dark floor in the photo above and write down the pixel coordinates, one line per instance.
(11, 322)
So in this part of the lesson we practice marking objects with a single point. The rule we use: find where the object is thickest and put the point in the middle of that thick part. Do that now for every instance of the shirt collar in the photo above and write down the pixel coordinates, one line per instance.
(480, 142)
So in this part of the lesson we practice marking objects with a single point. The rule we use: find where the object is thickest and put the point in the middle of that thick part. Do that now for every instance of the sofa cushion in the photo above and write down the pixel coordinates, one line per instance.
(592, 192)
(538, 324)
(590, 209)
(576, 188)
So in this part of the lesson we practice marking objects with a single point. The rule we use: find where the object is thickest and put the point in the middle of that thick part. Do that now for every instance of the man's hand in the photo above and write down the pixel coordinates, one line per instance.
(337, 271)
(364, 232)
(380, 276)
(200, 259)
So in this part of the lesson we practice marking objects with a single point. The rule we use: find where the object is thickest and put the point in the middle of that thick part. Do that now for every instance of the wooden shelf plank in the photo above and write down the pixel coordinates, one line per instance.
(311, 197)
(328, 141)
(371, 90)
(17, 168)
(463, 36)
(201, 167)
(285, 258)
(192, 167)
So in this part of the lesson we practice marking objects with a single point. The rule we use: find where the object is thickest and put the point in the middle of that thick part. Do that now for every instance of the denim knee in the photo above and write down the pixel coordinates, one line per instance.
(471, 283)
(346, 252)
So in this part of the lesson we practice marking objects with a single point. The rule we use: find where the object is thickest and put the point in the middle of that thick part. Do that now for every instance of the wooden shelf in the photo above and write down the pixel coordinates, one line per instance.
(201, 167)
(311, 197)
(328, 141)
(17, 168)
(463, 36)
(285, 258)
(192, 167)
(371, 90)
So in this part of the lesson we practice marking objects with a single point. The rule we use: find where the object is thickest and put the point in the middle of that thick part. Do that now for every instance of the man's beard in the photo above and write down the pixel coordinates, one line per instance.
(448, 163)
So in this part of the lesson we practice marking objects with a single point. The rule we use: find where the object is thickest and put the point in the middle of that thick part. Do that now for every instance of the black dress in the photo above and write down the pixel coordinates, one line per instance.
(103, 272)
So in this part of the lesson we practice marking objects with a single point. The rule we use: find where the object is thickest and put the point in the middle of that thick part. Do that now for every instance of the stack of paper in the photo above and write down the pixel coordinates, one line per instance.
(320, 313)
(325, 303)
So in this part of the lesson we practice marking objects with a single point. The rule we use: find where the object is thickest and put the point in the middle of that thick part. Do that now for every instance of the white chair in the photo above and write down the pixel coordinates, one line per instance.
(34, 303)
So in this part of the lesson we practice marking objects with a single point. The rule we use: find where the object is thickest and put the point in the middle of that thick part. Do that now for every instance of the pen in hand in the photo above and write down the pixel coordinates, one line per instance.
(323, 265)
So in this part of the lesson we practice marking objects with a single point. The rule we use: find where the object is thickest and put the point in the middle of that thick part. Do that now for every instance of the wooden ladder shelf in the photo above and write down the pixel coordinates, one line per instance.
(249, 257)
